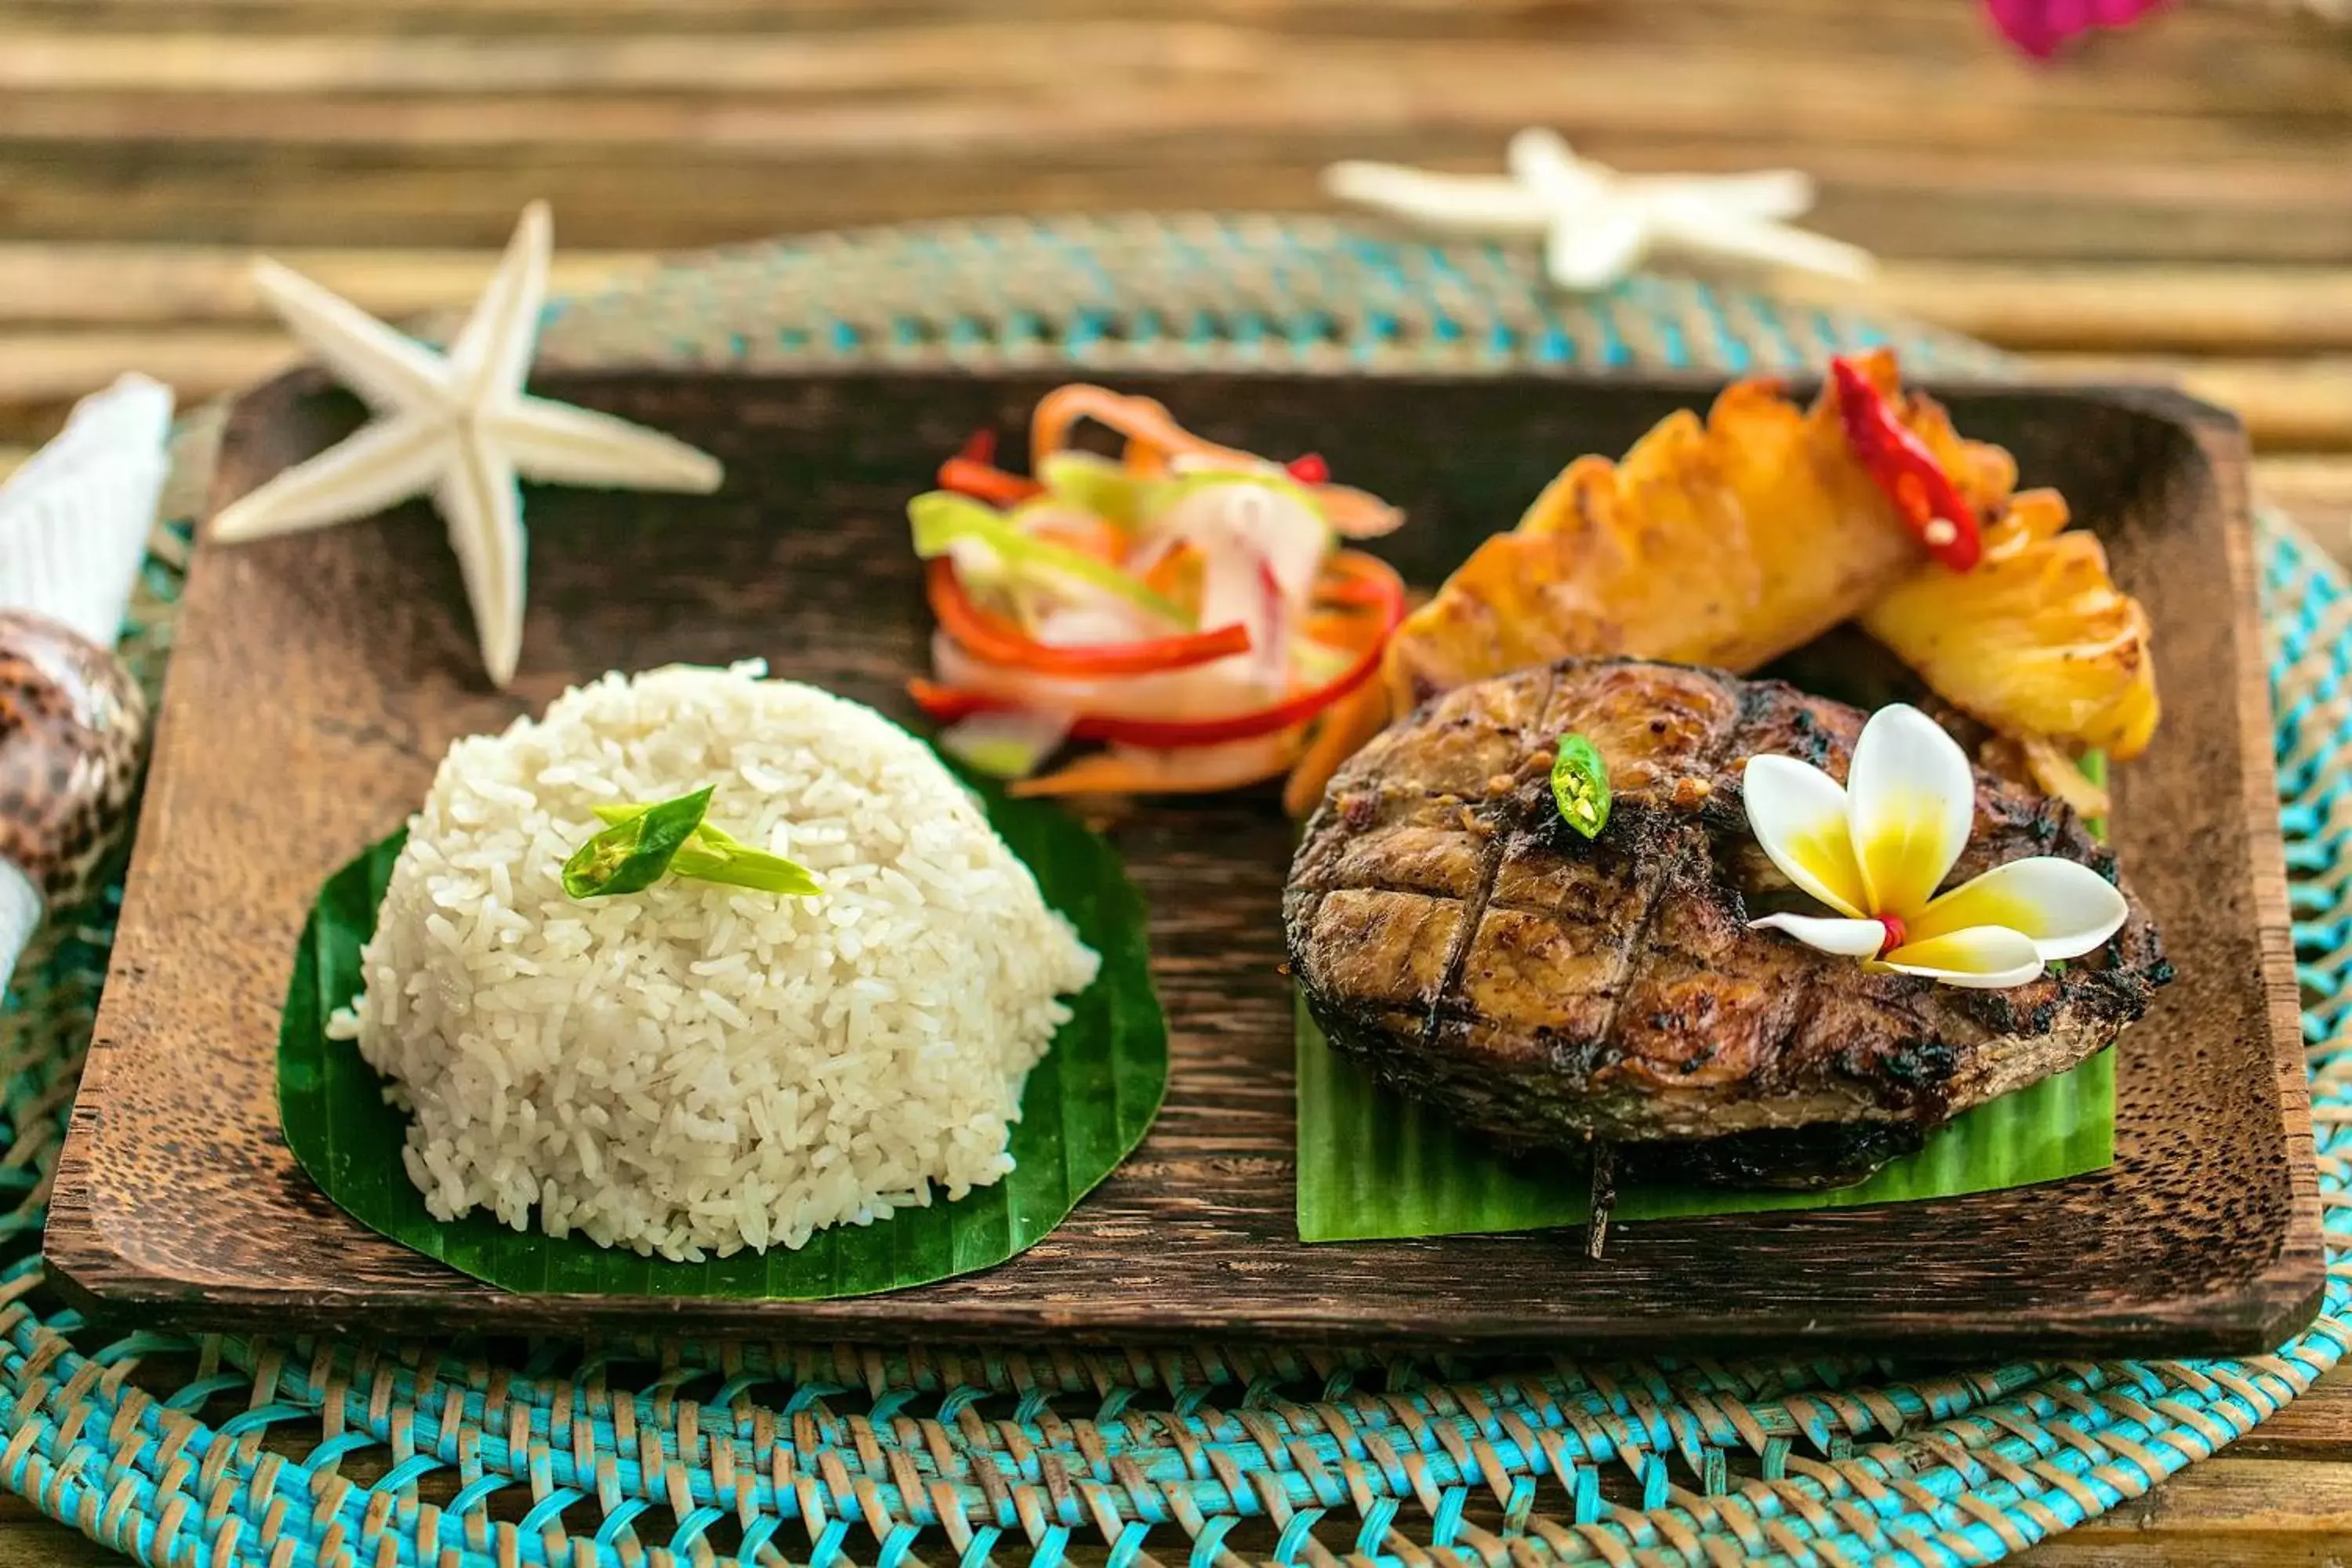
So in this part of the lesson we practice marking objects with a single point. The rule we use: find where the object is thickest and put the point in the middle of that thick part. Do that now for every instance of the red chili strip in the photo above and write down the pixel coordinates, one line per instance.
(951, 704)
(973, 472)
(1353, 579)
(948, 704)
(1907, 471)
(982, 482)
(1000, 641)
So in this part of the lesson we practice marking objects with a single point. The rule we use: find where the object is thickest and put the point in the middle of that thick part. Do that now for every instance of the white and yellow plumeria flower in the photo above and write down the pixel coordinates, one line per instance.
(1875, 849)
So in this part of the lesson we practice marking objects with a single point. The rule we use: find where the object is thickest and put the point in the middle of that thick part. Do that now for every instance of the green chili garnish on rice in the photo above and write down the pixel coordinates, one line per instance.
(641, 843)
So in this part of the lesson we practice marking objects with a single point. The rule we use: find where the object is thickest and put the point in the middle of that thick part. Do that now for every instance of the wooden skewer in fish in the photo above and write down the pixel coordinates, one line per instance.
(1604, 1197)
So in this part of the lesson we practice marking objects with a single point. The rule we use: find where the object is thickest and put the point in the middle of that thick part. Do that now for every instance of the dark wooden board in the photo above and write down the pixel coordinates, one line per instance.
(319, 678)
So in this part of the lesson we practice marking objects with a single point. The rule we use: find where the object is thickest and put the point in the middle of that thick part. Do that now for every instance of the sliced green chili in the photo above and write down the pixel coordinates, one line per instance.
(1580, 785)
(641, 843)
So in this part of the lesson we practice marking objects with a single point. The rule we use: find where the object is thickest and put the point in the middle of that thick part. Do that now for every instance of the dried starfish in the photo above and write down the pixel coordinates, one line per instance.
(1598, 224)
(458, 426)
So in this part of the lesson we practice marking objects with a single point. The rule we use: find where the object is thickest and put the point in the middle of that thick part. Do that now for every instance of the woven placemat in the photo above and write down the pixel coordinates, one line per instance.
(220, 1450)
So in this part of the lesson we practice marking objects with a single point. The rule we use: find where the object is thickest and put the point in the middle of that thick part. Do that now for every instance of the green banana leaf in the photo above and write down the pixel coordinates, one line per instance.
(1085, 1109)
(1375, 1166)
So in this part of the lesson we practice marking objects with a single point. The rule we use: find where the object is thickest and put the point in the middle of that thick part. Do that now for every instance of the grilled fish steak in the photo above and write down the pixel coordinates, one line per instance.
(1452, 933)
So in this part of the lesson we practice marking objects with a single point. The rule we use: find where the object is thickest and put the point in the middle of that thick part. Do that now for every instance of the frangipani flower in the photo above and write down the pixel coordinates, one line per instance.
(1875, 849)
(2040, 26)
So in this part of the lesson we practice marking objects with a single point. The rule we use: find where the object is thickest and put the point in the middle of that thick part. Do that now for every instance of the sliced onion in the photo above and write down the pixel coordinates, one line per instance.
(1203, 691)
(993, 553)
(1070, 527)
(1270, 520)
(1237, 588)
(1075, 625)
(977, 563)
(1008, 744)
(1262, 549)
(1222, 462)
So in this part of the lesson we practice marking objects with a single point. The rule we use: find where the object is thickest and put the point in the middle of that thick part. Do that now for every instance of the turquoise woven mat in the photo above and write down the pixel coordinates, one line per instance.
(221, 1450)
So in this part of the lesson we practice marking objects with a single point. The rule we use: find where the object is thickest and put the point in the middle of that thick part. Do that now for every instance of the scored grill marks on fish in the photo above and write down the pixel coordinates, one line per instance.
(1693, 946)
(1657, 731)
(1474, 909)
(1638, 951)
(1613, 988)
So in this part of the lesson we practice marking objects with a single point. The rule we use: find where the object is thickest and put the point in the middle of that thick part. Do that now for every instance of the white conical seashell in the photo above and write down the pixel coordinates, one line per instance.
(75, 519)
(21, 907)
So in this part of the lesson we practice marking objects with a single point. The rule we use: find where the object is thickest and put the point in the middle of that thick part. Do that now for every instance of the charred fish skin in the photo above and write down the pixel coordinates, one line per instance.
(1452, 933)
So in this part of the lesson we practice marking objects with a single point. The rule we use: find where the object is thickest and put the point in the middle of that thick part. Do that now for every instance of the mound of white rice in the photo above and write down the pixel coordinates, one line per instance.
(697, 1069)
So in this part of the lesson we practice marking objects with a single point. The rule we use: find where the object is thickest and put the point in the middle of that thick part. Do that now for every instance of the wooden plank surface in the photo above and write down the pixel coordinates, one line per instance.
(2287, 403)
(2174, 203)
(1929, 140)
(72, 317)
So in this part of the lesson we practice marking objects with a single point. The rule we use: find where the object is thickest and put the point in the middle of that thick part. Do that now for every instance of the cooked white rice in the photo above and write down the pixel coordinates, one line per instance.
(697, 1069)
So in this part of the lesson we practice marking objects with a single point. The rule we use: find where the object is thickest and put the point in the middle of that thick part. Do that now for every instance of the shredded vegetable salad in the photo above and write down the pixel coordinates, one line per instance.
(1189, 607)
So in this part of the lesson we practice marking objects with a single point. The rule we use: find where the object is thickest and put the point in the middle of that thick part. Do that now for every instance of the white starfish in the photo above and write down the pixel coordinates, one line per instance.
(458, 425)
(1598, 224)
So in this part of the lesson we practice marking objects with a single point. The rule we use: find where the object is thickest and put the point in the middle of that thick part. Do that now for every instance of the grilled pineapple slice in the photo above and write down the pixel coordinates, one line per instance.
(2036, 641)
(1727, 543)
(1732, 540)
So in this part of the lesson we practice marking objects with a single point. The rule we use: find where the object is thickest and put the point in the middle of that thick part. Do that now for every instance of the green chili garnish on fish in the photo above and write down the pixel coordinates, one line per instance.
(643, 843)
(1580, 785)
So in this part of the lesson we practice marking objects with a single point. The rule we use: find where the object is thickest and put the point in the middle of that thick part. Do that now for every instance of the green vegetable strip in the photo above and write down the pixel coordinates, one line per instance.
(707, 854)
(941, 517)
(1162, 494)
(1094, 484)
(634, 854)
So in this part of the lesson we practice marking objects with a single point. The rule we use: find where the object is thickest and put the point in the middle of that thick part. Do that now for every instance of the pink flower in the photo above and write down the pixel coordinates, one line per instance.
(2038, 26)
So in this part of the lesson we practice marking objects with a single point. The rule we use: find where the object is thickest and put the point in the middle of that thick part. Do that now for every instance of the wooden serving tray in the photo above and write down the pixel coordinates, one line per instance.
(319, 678)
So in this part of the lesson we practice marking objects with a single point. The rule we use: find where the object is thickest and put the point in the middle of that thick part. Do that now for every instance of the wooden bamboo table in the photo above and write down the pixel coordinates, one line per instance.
(2174, 203)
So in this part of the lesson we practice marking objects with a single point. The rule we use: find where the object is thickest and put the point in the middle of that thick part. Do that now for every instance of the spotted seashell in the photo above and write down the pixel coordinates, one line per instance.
(71, 726)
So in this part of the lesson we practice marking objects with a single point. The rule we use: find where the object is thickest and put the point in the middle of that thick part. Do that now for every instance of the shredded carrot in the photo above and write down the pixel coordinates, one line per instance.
(1086, 534)
(1110, 773)
(1176, 576)
(983, 482)
(1358, 514)
(1336, 628)
(1153, 438)
(1145, 422)
(1353, 580)
(1341, 733)
(1356, 582)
